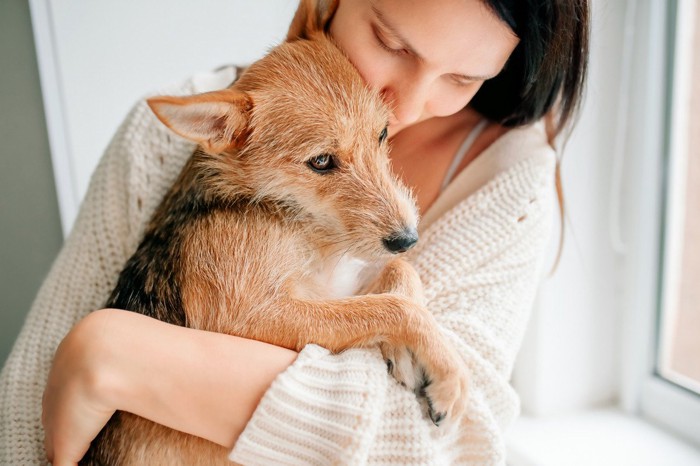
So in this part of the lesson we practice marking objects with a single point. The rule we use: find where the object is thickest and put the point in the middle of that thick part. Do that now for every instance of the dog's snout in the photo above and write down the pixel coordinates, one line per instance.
(401, 241)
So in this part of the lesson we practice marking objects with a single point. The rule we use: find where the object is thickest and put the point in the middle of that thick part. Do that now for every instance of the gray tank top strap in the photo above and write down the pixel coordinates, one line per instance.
(462, 151)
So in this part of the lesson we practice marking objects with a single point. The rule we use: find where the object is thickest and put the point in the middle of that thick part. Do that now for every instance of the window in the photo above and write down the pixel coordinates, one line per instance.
(660, 354)
(679, 339)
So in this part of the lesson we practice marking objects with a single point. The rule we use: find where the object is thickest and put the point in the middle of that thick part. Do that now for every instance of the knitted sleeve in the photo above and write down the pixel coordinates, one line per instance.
(140, 163)
(480, 264)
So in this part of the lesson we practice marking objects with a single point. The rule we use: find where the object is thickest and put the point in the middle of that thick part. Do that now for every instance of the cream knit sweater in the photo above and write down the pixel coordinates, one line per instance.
(479, 257)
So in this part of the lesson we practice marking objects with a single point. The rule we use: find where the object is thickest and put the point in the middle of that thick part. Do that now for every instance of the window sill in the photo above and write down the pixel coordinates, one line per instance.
(604, 437)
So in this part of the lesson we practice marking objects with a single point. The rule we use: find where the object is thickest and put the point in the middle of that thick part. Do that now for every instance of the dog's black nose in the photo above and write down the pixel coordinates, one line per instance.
(401, 241)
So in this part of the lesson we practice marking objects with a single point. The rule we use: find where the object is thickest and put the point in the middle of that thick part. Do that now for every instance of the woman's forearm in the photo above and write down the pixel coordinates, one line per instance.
(202, 383)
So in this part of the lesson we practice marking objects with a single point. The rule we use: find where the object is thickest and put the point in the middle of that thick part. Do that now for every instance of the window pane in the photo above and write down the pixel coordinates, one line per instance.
(680, 338)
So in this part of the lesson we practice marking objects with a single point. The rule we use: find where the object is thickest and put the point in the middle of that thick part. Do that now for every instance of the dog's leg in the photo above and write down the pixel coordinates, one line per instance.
(398, 276)
(364, 321)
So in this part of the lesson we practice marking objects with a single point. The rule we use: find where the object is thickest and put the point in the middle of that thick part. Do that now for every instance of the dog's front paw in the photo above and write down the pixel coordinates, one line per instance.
(445, 393)
(401, 364)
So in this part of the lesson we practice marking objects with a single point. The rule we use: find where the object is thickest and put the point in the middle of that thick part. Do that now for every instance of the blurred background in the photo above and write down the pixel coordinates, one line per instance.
(609, 372)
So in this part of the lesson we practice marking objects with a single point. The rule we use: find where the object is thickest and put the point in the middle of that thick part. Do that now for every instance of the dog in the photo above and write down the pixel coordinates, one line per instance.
(290, 178)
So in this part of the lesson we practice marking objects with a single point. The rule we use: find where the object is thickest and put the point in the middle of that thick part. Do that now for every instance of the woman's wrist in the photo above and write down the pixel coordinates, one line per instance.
(101, 341)
(78, 398)
(87, 346)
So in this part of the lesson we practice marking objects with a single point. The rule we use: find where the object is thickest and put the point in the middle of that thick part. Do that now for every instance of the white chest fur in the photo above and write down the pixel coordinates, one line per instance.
(340, 278)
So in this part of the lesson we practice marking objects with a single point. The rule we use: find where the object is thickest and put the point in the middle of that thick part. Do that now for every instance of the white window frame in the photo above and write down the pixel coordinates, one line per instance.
(678, 150)
(54, 109)
(642, 390)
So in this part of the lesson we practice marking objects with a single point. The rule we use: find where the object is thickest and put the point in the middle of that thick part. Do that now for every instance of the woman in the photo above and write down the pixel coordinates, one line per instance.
(470, 83)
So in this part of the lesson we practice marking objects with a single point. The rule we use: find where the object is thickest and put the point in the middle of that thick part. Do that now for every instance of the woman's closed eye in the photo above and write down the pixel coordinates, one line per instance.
(386, 44)
(462, 81)
(397, 49)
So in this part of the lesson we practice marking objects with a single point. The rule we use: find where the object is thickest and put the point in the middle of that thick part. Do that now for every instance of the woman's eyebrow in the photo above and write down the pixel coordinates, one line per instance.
(386, 24)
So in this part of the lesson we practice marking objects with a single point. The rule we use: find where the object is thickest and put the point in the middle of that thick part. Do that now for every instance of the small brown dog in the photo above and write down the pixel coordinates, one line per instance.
(291, 174)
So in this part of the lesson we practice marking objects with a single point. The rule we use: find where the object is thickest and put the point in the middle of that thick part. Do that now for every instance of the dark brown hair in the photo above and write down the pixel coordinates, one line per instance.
(545, 74)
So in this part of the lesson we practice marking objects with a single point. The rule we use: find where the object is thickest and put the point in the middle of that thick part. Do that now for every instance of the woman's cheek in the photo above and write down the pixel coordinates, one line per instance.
(374, 67)
(451, 100)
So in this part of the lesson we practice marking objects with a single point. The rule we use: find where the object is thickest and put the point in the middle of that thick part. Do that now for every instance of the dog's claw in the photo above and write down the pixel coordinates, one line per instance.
(444, 397)
(401, 366)
(437, 418)
(422, 386)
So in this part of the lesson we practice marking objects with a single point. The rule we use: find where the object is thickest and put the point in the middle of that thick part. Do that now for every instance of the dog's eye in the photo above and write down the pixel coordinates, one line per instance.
(322, 163)
(383, 135)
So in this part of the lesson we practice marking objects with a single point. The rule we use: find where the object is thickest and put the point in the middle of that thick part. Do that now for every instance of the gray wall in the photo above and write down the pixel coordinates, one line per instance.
(30, 232)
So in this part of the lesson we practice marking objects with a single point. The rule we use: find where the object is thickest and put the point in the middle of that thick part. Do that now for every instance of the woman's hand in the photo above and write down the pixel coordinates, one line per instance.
(202, 383)
(76, 403)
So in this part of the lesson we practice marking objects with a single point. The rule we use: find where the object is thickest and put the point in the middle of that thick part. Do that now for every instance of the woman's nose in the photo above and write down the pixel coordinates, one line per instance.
(407, 100)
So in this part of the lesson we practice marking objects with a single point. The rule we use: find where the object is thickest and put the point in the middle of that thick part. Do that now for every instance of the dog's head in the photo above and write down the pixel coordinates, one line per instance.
(300, 128)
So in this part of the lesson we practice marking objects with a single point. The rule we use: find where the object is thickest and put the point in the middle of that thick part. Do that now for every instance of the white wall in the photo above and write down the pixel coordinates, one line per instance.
(98, 57)
(570, 357)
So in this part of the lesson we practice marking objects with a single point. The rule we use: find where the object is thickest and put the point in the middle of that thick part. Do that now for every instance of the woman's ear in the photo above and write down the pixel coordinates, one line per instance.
(217, 120)
(311, 16)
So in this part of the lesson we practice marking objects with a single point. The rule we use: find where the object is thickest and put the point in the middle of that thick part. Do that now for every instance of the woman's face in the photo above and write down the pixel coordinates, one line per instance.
(427, 57)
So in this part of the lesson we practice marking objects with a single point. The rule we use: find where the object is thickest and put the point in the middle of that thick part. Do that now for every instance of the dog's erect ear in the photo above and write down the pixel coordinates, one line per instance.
(311, 16)
(217, 120)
